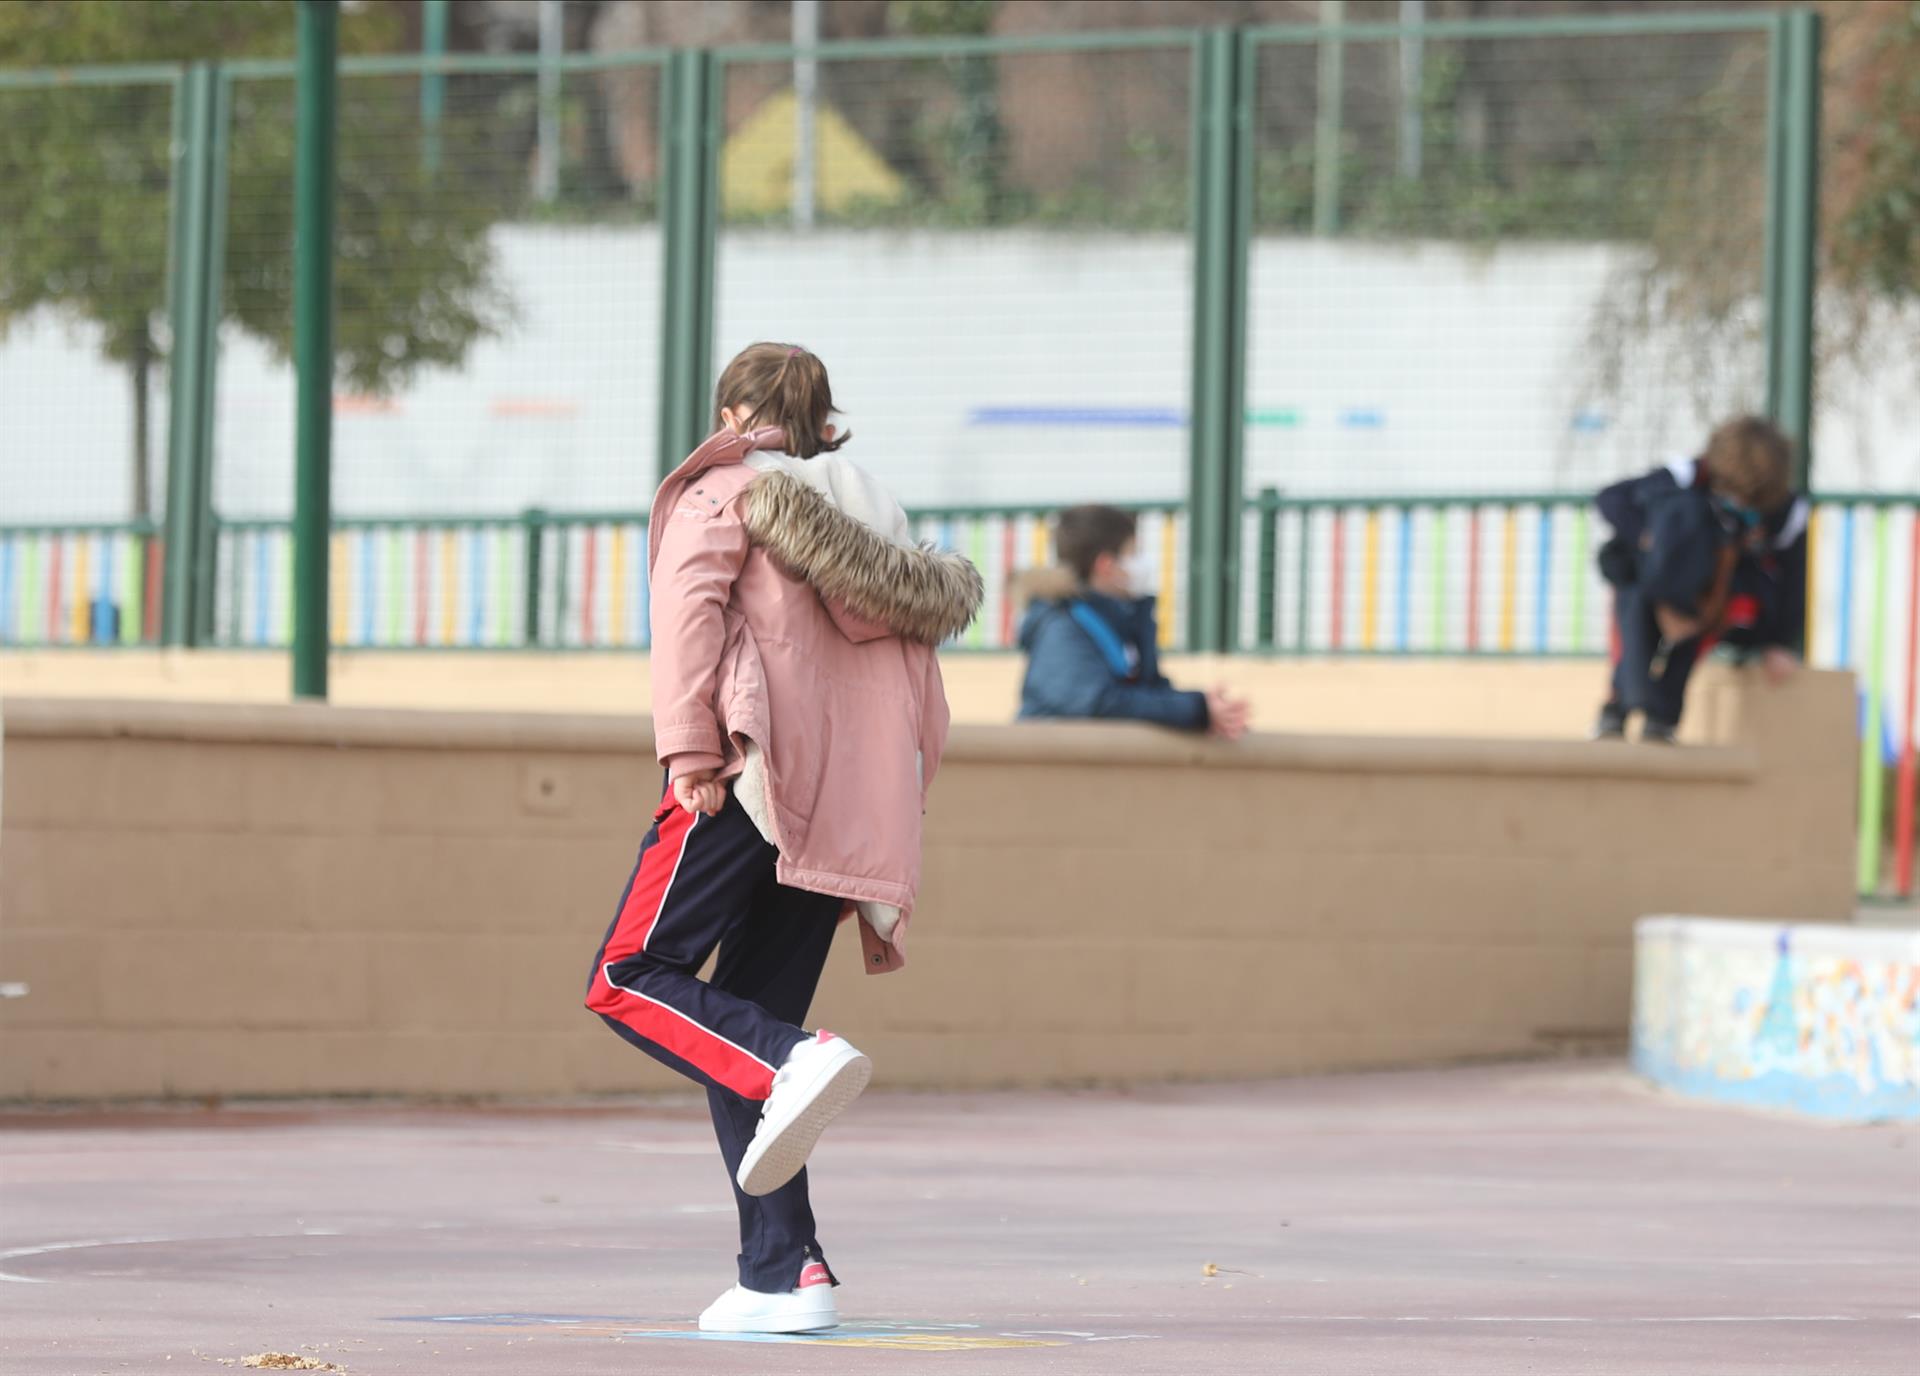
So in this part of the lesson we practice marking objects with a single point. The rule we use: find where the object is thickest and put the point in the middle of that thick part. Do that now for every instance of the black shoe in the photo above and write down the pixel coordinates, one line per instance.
(1612, 725)
(1657, 732)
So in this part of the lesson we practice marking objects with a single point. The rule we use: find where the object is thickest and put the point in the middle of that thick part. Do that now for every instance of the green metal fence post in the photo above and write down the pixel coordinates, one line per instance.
(179, 173)
(433, 83)
(1794, 212)
(713, 135)
(219, 128)
(688, 110)
(1330, 97)
(1218, 410)
(313, 186)
(533, 522)
(191, 328)
(1771, 243)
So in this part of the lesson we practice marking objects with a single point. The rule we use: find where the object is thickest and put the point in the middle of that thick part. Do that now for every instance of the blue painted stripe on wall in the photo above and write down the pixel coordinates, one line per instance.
(1077, 415)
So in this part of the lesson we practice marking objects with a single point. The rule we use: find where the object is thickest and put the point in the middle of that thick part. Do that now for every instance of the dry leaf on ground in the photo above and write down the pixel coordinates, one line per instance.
(287, 1361)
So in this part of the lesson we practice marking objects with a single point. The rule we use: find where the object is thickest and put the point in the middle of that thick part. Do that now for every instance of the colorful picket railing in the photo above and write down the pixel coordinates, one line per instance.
(579, 580)
(1863, 591)
(80, 585)
(1425, 576)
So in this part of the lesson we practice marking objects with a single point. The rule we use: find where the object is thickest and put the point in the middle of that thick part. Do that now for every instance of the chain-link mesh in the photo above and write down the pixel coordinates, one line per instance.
(991, 254)
(1498, 265)
(497, 317)
(85, 183)
(1502, 264)
(497, 279)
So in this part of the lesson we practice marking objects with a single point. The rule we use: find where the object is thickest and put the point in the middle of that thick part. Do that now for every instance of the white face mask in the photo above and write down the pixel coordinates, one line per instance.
(1143, 574)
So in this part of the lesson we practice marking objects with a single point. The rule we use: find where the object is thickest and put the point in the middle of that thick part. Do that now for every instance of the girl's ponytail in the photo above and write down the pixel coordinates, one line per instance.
(782, 385)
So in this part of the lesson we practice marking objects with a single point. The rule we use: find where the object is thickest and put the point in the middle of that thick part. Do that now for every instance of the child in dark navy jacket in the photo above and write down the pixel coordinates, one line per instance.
(1092, 642)
(1706, 550)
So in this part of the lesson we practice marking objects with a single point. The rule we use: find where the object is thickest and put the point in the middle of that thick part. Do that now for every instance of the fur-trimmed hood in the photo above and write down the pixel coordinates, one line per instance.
(920, 593)
(1049, 583)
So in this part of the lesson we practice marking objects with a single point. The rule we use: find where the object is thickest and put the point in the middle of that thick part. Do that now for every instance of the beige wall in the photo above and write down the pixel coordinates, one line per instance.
(1366, 696)
(294, 900)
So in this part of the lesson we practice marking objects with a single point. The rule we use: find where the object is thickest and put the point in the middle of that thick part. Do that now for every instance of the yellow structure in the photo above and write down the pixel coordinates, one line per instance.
(756, 165)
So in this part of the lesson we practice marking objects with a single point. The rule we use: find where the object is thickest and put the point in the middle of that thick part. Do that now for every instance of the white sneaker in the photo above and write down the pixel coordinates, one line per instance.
(820, 1077)
(804, 1309)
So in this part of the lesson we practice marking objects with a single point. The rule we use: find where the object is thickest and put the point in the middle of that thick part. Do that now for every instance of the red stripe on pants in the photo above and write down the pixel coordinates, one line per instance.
(648, 893)
(661, 1024)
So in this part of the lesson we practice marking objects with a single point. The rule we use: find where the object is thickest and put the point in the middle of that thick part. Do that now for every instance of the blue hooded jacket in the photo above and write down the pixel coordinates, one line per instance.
(1090, 655)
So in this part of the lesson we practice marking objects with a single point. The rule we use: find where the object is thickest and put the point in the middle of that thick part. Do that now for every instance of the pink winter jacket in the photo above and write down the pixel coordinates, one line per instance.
(781, 621)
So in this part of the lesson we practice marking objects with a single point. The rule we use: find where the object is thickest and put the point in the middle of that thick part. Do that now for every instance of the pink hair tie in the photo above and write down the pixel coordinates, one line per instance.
(793, 353)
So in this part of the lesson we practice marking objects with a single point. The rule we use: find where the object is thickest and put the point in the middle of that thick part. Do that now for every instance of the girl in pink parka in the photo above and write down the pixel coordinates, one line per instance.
(798, 709)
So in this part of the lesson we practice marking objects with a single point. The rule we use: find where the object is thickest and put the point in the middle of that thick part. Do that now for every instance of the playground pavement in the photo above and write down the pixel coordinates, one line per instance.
(1542, 1219)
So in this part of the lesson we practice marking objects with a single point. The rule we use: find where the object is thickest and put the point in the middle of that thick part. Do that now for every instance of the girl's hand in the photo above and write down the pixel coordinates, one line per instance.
(700, 792)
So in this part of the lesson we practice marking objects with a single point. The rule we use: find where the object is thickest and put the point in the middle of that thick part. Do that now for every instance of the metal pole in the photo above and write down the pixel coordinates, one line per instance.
(533, 527)
(806, 87)
(689, 103)
(207, 531)
(1773, 246)
(433, 84)
(313, 183)
(175, 595)
(553, 41)
(1217, 392)
(1326, 128)
(1799, 209)
(186, 471)
(1412, 78)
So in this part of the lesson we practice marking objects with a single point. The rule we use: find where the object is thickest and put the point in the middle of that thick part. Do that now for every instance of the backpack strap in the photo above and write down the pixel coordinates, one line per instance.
(1104, 637)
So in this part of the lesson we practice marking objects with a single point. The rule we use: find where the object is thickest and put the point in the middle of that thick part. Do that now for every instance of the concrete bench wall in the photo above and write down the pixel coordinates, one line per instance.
(272, 900)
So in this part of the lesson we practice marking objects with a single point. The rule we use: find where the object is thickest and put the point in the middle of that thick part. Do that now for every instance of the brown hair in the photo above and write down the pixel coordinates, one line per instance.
(1750, 461)
(783, 385)
(1084, 533)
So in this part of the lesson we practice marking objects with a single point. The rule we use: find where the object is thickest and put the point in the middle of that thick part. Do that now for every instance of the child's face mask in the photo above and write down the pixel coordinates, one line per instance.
(1744, 523)
(1143, 574)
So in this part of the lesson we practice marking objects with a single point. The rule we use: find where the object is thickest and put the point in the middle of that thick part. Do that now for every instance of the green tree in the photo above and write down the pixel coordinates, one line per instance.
(966, 144)
(1691, 303)
(84, 195)
(1877, 227)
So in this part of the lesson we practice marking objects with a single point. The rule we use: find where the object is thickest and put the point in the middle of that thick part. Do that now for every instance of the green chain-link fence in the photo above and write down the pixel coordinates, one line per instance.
(991, 246)
(497, 330)
(1460, 281)
(86, 194)
(1167, 268)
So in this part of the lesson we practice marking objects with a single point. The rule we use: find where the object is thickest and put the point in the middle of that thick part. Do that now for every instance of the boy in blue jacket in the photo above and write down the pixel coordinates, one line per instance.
(1092, 642)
